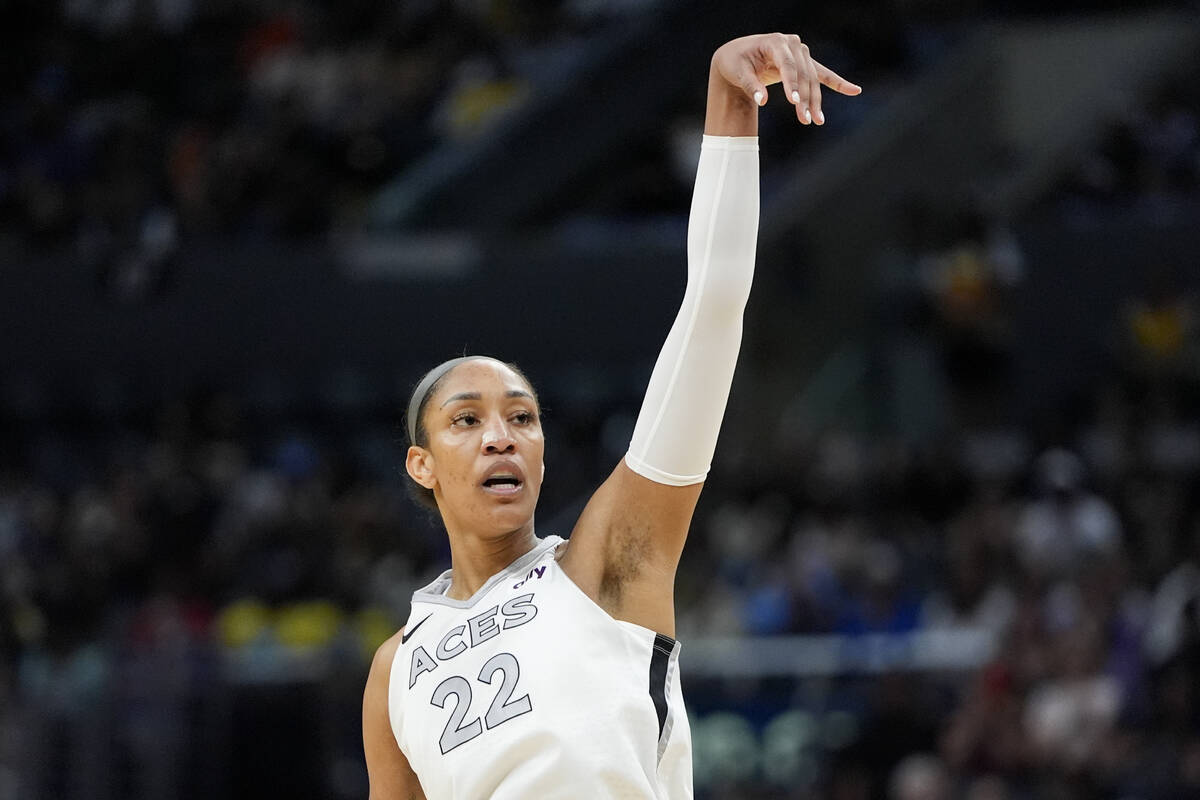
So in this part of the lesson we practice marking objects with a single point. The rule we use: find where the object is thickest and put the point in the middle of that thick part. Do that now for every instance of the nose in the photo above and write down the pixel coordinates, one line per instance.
(497, 439)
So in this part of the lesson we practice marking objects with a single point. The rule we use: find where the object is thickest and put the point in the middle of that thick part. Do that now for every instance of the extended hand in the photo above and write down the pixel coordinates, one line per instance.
(752, 63)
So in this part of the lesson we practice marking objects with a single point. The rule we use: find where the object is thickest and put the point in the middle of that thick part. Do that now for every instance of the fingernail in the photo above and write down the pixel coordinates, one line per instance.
(795, 96)
(807, 116)
(758, 98)
(821, 117)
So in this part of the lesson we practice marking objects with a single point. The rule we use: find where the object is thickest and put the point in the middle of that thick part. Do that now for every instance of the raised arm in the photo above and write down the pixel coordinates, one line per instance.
(626, 545)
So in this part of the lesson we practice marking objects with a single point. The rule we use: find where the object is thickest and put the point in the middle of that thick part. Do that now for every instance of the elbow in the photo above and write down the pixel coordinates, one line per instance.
(718, 304)
(720, 286)
(721, 272)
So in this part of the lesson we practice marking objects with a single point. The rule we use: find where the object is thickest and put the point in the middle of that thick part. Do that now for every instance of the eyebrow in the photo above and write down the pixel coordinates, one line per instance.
(477, 396)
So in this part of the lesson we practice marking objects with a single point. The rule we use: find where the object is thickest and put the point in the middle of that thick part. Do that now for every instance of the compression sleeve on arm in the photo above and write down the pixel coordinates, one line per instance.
(676, 431)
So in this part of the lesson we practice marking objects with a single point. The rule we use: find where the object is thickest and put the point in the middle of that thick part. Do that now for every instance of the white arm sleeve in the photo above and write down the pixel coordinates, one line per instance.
(676, 431)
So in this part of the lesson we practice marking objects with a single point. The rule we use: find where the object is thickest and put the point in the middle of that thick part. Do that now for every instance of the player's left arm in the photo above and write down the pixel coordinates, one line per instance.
(627, 543)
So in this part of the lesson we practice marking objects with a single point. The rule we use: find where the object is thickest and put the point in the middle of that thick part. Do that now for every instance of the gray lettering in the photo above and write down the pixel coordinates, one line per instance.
(422, 662)
(444, 651)
(518, 610)
(484, 627)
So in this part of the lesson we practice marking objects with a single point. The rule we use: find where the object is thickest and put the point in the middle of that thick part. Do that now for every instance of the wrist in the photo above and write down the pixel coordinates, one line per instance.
(729, 111)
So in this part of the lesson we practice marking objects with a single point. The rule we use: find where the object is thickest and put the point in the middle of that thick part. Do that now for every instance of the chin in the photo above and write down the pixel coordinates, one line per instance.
(513, 516)
(490, 517)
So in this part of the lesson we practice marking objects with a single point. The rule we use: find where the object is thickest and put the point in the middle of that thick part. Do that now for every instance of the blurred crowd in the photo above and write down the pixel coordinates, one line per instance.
(145, 564)
(128, 124)
(251, 544)
(1148, 158)
(131, 122)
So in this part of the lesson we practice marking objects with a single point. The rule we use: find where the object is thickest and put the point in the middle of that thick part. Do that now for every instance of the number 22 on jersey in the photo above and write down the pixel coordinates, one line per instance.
(502, 708)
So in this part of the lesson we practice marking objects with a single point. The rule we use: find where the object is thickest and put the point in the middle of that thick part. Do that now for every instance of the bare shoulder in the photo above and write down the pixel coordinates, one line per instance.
(381, 664)
(375, 695)
(388, 770)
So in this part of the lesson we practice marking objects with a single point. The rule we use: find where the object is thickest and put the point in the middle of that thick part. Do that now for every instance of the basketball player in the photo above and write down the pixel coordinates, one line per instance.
(546, 668)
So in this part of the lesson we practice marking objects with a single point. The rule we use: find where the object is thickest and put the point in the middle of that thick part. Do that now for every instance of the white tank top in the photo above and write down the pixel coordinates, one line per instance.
(530, 690)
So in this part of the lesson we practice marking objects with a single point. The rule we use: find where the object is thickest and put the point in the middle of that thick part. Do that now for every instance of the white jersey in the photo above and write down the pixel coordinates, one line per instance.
(530, 690)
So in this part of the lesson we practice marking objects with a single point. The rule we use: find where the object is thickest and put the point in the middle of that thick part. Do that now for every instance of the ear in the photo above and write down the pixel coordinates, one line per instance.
(419, 464)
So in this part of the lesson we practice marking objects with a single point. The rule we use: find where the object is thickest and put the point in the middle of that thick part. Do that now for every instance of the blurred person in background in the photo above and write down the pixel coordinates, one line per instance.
(920, 776)
(1066, 524)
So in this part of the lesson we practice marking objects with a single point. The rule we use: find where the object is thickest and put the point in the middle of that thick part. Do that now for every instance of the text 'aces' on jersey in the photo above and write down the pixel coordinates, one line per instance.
(529, 689)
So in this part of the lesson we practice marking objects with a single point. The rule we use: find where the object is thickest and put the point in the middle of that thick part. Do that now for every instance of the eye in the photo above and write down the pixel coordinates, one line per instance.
(466, 419)
(524, 418)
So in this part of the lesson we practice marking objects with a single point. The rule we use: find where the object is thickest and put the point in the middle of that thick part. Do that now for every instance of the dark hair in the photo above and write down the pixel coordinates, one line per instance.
(414, 422)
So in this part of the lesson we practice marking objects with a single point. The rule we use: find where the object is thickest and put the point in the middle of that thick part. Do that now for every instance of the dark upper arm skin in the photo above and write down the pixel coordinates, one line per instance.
(390, 775)
(626, 546)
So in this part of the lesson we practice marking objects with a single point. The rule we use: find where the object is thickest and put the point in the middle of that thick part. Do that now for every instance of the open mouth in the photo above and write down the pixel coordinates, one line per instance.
(502, 484)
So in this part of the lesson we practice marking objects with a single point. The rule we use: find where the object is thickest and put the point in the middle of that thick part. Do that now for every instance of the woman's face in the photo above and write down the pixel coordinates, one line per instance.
(485, 448)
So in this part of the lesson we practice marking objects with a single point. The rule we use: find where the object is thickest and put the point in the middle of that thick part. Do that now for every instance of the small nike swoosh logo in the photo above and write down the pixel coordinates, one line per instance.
(406, 634)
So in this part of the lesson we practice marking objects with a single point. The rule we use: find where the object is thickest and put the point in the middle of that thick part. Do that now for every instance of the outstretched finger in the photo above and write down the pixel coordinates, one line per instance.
(808, 73)
(754, 88)
(835, 81)
(783, 58)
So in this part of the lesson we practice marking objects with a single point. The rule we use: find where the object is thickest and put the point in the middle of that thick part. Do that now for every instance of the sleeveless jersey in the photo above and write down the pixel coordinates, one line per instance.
(530, 690)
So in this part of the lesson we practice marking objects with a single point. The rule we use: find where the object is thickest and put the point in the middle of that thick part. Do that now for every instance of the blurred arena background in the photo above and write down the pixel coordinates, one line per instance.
(951, 543)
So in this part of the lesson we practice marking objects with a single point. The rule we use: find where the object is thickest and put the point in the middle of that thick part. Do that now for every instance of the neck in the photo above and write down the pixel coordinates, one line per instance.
(473, 559)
